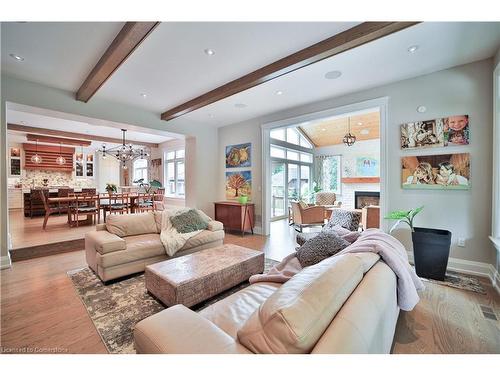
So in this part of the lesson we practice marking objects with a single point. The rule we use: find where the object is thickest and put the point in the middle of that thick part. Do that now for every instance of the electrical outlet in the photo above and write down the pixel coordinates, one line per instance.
(461, 242)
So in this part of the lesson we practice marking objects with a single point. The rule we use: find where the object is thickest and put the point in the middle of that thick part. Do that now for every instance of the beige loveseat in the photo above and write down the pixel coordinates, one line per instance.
(344, 304)
(126, 244)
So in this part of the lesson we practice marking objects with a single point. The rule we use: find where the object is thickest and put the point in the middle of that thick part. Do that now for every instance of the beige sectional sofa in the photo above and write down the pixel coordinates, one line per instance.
(344, 304)
(126, 244)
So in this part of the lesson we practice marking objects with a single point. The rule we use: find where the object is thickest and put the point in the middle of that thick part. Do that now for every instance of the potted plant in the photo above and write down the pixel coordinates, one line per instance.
(111, 188)
(243, 199)
(154, 184)
(431, 247)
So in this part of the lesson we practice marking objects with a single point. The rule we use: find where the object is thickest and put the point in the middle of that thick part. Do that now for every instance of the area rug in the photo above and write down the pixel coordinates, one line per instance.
(459, 281)
(116, 308)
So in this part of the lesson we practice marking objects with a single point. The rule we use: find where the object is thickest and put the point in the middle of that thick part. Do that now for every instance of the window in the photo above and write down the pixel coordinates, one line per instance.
(278, 134)
(330, 173)
(175, 173)
(140, 170)
(277, 152)
(292, 136)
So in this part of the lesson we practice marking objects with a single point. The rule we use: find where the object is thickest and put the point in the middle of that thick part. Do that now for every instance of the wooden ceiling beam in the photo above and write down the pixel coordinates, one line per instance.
(128, 39)
(344, 41)
(32, 129)
(57, 140)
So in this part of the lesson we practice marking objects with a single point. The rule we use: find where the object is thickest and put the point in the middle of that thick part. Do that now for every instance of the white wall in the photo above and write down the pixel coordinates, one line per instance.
(236, 134)
(465, 89)
(368, 147)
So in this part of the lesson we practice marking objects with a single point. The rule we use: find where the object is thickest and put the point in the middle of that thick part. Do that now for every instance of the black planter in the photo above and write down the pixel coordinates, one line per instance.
(431, 249)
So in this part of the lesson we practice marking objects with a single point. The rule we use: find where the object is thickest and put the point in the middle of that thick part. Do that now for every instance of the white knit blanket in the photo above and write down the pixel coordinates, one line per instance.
(171, 239)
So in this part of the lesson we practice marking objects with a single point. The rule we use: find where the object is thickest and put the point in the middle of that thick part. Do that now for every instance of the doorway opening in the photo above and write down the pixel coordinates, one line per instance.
(308, 161)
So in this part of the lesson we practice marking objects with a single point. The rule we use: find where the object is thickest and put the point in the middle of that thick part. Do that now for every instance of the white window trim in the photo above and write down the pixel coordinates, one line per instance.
(140, 168)
(175, 160)
(495, 225)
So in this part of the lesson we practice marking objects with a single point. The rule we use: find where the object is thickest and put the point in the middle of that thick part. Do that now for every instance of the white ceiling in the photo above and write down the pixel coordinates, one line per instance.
(56, 54)
(171, 66)
(54, 123)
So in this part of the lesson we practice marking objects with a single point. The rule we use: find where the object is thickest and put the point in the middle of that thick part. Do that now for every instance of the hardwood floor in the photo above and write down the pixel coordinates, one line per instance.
(40, 309)
(27, 232)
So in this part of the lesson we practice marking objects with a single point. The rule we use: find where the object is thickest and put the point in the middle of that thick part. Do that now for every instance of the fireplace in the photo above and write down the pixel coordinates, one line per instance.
(366, 198)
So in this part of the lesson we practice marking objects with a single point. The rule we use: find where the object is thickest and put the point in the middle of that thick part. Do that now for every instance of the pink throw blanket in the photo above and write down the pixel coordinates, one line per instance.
(390, 250)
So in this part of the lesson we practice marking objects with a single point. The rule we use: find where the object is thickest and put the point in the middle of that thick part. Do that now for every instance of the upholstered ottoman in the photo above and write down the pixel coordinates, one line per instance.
(194, 278)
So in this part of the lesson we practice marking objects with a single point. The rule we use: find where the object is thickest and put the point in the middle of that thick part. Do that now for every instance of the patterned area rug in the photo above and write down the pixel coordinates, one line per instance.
(116, 308)
(459, 281)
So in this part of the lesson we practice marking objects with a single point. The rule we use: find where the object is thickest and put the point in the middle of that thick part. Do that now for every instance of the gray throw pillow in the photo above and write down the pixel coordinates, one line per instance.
(345, 218)
(324, 245)
(188, 221)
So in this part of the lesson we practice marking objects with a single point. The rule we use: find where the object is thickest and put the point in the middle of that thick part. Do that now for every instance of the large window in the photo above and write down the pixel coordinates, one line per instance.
(141, 170)
(290, 135)
(328, 173)
(291, 169)
(175, 173)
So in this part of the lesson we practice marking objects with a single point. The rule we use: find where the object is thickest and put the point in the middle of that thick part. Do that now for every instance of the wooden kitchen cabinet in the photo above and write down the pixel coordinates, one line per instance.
(236, 216)
(15, 198)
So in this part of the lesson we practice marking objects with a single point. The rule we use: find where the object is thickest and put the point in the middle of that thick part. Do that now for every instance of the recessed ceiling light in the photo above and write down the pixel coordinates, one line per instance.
(279, 92)
(421, 109)
(323, 129)
(412, 49)
(209, 52)
(360, 123)
(364, 131)
(334, 74)
(144, 95)
(240, 105)
(211, 115)
(16, 57)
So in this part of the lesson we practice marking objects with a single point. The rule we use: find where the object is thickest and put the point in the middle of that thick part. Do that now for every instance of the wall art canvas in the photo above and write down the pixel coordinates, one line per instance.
(155, 169)
(367, 166)
(239, 156)
(238, 184)
(440, 132)
(448, 171)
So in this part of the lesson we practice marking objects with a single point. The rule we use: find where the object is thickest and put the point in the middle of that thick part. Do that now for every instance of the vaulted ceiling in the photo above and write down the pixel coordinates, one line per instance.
(332, 131)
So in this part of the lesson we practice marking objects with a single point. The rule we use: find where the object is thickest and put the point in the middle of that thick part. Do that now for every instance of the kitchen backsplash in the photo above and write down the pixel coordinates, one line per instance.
(55, 179)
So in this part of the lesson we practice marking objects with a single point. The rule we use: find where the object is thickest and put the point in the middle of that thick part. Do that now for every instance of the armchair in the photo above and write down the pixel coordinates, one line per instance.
(304, 215)
(327, 199)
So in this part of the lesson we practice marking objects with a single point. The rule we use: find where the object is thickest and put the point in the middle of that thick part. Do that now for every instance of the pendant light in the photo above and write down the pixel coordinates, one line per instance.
(349, 138)
(37, 159)
(79, 159)
(60, 159)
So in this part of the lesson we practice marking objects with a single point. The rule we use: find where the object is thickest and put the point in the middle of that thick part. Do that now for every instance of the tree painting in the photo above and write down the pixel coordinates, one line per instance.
(238, 184)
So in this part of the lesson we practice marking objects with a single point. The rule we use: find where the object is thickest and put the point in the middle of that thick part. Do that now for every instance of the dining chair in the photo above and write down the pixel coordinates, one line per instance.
(64, 192)
(85, 204)
(44, 196)
(119, 203)
(145, 202)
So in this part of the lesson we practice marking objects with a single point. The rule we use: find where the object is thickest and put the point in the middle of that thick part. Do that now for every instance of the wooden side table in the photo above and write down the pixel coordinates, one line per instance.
(236, 216)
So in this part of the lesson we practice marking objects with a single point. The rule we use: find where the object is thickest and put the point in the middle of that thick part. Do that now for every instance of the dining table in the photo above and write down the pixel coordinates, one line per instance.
(101, 203)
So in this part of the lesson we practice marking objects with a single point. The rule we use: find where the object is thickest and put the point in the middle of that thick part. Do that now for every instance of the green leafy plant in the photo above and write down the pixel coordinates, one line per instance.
(111, 187)
(153, 184)
(404, 217)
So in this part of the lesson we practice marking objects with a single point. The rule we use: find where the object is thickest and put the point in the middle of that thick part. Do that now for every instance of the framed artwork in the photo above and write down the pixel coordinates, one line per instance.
(448, 171)
(238, 184)
(155, 169)
(367, 166)
(239, 156)
(440, 132)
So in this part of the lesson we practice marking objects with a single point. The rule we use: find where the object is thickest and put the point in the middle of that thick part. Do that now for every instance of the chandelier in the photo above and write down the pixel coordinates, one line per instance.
(349, 138)
(60, 159)
(124, 152)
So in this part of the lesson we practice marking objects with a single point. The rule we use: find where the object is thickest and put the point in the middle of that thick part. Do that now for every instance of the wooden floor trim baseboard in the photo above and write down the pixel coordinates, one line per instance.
(31, 252)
